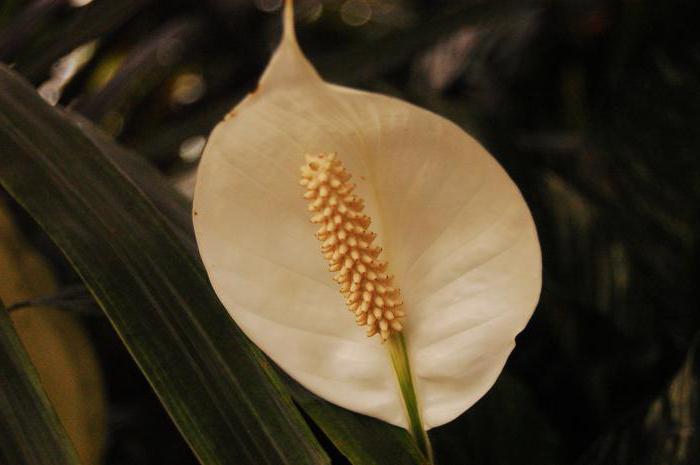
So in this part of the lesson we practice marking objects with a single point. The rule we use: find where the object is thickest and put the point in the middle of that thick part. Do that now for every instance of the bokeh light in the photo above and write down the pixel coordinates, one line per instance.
(355, 12)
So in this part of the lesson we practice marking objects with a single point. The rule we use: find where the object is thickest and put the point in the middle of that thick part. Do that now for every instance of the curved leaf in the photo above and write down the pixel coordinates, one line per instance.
(227, 402)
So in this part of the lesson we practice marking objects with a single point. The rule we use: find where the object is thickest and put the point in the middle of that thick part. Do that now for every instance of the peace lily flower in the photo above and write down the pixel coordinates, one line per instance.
(429, 242)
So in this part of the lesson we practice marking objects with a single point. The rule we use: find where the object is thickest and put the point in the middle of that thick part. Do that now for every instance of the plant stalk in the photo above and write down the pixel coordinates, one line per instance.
(402, 368)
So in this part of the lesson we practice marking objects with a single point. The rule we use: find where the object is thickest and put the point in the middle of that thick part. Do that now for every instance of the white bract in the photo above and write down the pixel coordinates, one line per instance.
(454, 229)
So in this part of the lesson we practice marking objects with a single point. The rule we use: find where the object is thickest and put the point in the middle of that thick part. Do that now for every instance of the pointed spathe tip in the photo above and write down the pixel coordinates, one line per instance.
(288, 65)
(289, 20)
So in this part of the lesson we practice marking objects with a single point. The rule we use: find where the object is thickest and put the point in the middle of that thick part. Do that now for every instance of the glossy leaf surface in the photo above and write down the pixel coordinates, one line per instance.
(219, 390)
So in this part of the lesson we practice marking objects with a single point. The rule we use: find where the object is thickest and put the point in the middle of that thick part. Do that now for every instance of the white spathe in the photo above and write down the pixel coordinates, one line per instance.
(455, 230)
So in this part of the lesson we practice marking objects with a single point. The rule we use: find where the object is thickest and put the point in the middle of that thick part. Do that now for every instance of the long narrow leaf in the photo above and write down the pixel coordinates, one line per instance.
(230, 407)
(363, 440)
(156, 188)
(30, 431)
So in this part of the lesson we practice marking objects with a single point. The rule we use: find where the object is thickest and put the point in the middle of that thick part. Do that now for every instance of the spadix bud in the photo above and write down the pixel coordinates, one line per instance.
(321, 176)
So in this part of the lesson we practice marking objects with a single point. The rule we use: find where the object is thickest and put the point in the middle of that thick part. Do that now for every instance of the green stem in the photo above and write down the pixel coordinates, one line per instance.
(402, 368)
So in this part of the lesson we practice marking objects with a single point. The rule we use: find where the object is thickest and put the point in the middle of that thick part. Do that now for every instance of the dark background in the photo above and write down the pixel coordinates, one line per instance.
(593, 107)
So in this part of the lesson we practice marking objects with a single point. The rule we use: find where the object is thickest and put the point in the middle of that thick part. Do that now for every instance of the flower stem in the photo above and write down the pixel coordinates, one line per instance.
(402, 368)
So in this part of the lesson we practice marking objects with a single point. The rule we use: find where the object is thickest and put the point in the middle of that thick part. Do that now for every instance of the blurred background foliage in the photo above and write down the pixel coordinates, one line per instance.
(592, 106)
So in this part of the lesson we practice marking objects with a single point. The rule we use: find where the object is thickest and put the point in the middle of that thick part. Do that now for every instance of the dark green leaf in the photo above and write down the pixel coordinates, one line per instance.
(218, 388)
(30, 431)
(363, 440)
(164, 197)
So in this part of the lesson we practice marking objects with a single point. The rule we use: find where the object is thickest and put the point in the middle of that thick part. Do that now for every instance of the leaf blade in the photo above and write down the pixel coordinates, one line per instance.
(230, 408)
(362, 440)
(377, 442)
